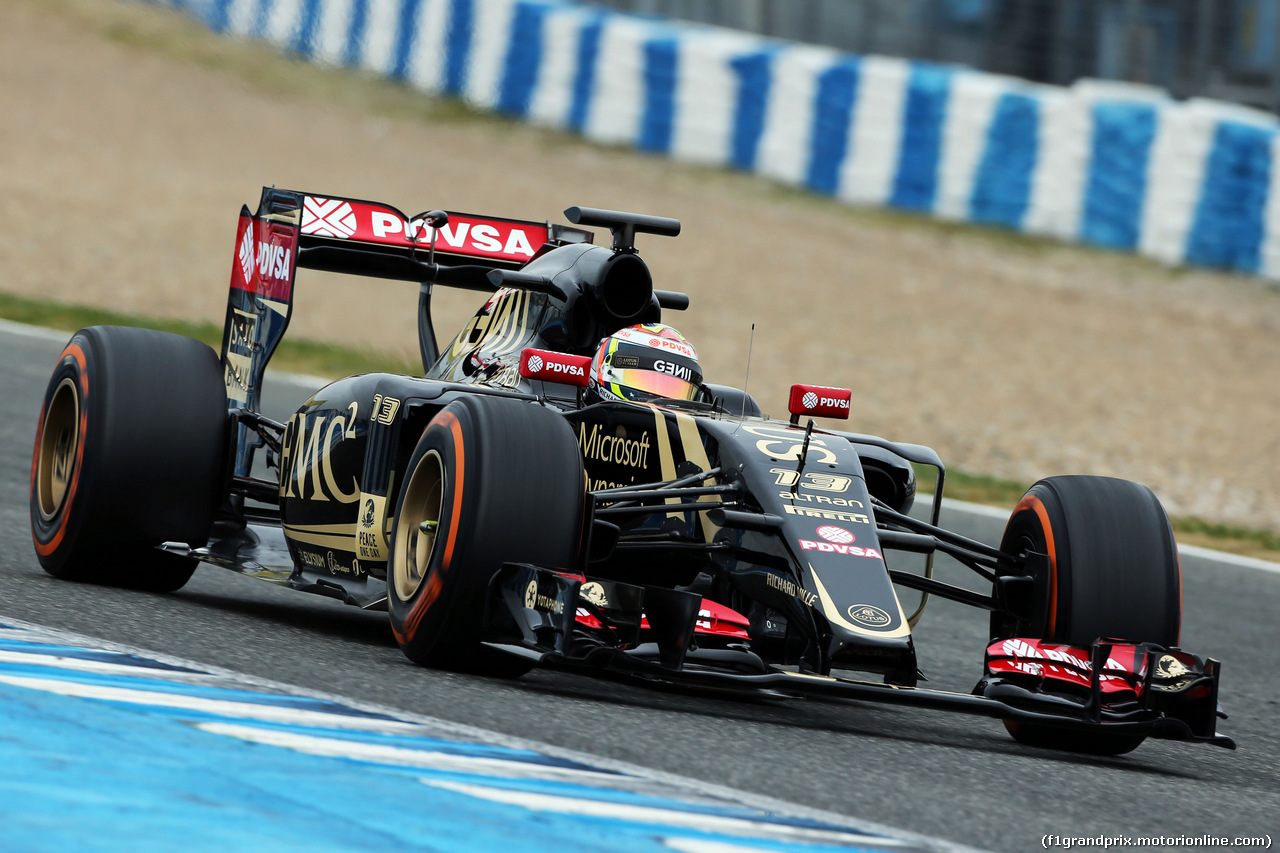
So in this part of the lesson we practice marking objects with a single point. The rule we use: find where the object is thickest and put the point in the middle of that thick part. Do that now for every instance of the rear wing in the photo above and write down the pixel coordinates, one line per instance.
(344, 235)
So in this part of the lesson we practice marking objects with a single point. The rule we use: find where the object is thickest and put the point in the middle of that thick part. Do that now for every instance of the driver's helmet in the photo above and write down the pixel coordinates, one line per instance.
(645, 362)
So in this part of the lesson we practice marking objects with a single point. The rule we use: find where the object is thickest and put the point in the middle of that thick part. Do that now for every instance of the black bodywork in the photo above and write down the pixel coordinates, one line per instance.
(688, 500)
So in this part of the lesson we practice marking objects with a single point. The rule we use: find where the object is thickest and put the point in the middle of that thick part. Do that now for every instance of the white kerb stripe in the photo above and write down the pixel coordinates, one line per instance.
(1175, 176)
(786, 143)
(284, 21)
(241, 17)
(220, 707)
(965, 132)
(618, 100)
(381, 24)
(407, 757)
(660, 817)
(707, 95)
(490, 39)
(1057, 184)
(426, 61)
(875, 133)
(553, 93)
(1270, 255)
(331, 34)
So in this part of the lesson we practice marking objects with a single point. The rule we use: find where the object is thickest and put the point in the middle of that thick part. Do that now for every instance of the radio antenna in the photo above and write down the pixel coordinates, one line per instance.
(746, 379)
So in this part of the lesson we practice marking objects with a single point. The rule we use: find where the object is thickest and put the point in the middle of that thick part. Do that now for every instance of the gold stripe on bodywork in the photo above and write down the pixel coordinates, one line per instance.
(695, 452)
(340, 536)
(511, 321)
(665, 457)
(833, 613)
(349, 528)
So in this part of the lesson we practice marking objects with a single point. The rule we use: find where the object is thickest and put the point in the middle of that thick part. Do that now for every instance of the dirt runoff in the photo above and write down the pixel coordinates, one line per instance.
(124, 166)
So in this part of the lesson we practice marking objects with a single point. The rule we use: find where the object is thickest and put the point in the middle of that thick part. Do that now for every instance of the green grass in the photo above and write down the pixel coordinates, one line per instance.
(296, 356)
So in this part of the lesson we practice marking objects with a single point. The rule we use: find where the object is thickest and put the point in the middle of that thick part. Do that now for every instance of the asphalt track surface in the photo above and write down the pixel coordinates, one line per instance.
(950, 776)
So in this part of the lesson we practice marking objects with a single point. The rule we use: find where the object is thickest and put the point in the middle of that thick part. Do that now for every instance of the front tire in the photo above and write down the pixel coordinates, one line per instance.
(129, 453)
(1112, 572)
(492, 480)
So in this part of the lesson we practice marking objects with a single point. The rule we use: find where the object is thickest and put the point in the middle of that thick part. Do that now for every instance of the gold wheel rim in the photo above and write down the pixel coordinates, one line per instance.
(417, 525)
(59, 441)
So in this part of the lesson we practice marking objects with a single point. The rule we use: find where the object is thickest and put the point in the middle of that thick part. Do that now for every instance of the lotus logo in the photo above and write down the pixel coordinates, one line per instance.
(593, 593)
(1170, 667)
(869, 615)
(535, 363)
(809, 400)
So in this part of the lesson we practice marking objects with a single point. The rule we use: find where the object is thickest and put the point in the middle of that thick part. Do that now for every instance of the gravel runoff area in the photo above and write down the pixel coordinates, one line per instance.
(124, 168)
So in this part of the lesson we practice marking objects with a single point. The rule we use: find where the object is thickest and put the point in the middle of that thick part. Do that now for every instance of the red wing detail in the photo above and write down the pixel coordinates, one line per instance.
(471, 236)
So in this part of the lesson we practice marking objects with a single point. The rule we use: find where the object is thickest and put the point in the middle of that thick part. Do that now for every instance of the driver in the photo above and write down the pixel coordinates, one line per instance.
(645, 362)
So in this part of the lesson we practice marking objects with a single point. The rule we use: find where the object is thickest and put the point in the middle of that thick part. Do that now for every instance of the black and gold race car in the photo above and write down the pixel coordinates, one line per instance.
(505, 516)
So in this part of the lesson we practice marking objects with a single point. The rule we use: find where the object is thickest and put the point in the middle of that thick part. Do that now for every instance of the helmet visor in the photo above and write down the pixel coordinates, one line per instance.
(654, 383)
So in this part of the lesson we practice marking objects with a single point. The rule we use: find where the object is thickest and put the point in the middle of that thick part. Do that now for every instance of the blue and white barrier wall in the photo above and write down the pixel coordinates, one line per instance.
(1111, 164)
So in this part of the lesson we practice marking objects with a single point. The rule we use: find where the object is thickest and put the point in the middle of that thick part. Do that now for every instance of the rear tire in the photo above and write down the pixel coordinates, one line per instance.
(1113, 572)
(130, 453)
(497, 480)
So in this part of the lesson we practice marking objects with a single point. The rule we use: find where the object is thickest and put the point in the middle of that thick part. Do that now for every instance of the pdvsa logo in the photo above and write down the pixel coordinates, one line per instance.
(672, 346)
(554, 366)
(273, 260)
(838, 535)
(247, 261)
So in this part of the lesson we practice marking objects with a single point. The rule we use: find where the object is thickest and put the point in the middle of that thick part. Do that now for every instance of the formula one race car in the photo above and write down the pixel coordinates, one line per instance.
(560, 487)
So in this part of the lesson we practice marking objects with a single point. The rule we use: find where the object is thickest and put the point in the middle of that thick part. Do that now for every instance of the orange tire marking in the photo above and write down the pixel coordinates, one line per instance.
(434, 584)
(78, 354)
(1031, 502)
(461, 468)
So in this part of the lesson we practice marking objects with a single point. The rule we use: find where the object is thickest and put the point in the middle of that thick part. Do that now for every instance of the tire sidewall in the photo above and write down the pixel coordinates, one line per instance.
(1084, 524)
(514, 491)
(150, 461)
(418, 622)
(58, 537)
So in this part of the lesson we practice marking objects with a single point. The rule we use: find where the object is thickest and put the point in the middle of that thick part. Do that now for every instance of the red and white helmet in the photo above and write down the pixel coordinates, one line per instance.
(646, 362)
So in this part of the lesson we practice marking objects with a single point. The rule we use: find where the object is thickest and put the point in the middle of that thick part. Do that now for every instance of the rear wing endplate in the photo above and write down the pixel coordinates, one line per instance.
(296, 229)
